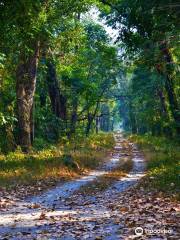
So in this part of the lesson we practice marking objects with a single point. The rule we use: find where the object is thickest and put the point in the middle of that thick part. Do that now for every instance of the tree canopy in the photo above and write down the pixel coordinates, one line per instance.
(62, 75)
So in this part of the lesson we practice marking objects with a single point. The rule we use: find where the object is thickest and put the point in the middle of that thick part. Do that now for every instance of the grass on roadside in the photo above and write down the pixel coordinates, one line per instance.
(163, 162)
(63, 161)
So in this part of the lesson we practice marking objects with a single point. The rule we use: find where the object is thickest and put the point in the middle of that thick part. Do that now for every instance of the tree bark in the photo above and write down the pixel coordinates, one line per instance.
(132, 118)
(89, 122)
(90, 118)
(162, 103)
(169, 85)
(164, 113)
(32, 123)
(58, 101)
(172, 99)
(25, 88)
(74, 117)
(97, 125)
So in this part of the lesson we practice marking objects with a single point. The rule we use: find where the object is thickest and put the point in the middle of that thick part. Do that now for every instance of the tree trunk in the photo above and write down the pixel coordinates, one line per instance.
(132, 118)
(89, 122)
(97, 125)
(164, 114)
(169, 85)
(172, 99)
(58, 101)
(25, 89)
(32, 123)
(91, 117)
(162, 103)
(74, 117)
(112, 125)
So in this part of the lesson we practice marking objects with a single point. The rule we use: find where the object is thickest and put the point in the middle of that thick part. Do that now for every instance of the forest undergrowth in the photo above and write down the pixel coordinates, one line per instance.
(60, 162)
(163, 163)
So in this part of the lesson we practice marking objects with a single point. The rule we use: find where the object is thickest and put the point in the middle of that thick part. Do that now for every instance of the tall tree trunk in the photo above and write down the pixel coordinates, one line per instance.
(90, 118)
(132, 118)
(169, 85)
(25, 89)
(58, 101)
(112, 125)
(172, 99)
(74, 117)
(89, 122)
(162, 103)
(164, 113)
(32, 123)
(97, 125)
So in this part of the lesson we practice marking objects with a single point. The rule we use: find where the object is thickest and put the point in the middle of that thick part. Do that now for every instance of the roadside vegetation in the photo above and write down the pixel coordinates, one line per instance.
(163, 163)
(54, 163)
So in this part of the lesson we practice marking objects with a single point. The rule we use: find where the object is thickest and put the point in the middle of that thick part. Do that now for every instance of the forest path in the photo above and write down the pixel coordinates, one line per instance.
(66, 213)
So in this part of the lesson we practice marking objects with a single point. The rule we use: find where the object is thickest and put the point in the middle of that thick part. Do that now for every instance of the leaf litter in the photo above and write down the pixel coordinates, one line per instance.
(114, 213)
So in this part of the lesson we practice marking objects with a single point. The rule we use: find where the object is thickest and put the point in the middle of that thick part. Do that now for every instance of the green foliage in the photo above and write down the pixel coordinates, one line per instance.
(84, 61)
(147, 37)
(163, 163)
(51, 163)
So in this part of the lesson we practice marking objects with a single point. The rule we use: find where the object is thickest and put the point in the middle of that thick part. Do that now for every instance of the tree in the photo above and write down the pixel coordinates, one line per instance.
(148, 28)
(31, 25)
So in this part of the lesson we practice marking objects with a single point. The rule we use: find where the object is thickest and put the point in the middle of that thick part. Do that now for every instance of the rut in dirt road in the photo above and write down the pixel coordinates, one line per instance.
(60, 213)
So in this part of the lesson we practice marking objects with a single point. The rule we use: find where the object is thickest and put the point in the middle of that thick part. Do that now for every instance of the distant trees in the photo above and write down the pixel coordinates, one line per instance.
(148, 32)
